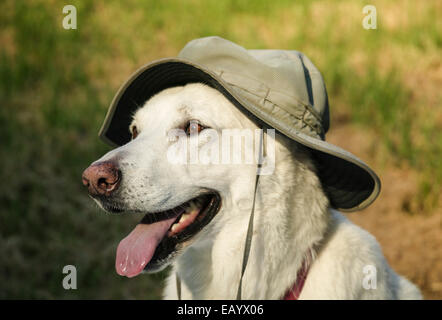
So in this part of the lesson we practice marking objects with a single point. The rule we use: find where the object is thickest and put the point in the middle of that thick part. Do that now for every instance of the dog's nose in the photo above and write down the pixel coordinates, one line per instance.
(102, 178)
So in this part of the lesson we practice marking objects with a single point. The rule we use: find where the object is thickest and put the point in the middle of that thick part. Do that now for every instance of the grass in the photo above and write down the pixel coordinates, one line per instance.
(55, 86)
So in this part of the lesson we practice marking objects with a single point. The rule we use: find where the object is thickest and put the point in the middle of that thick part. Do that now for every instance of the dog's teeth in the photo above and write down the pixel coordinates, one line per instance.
(174, 227)
(186, 216)
(192, 206)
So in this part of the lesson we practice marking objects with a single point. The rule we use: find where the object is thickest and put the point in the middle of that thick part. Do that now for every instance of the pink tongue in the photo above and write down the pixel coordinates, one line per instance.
(136, 250)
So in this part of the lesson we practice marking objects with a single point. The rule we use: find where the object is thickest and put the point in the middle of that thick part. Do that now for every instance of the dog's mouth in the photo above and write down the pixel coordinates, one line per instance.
(155, 239)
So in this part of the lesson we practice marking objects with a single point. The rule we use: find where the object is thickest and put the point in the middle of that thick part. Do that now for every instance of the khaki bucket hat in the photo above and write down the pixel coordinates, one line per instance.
(279, 88)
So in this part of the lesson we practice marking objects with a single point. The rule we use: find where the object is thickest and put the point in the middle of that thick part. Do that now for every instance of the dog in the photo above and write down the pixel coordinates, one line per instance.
(195, 216)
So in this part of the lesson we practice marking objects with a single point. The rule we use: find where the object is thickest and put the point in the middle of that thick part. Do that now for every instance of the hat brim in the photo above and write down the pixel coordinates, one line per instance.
(348, 182)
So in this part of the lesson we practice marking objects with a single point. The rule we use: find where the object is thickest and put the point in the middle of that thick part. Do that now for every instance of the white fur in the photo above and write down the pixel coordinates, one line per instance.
(293, 220)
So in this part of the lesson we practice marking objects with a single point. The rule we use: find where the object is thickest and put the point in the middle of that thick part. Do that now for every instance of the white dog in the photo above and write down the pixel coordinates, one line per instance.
(202, 213)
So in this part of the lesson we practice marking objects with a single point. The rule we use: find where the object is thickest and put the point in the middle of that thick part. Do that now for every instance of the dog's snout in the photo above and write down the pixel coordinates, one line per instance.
(102, 178)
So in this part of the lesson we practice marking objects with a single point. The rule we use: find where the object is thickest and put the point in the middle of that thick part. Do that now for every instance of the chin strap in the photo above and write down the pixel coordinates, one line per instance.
(249, 235)
(178, 285)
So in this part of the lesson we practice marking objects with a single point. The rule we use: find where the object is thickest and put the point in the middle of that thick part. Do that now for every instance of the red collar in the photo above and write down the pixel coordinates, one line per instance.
(295, 291)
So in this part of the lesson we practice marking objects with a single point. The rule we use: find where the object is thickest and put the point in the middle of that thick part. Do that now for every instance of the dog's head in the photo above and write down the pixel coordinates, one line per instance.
(179, 197)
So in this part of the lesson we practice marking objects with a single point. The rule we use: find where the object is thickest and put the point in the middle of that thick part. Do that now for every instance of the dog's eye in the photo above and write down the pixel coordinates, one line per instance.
(134, 132)
(193, 126)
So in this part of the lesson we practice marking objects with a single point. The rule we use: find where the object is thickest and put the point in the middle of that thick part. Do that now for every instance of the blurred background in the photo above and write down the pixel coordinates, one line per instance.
(55, 86)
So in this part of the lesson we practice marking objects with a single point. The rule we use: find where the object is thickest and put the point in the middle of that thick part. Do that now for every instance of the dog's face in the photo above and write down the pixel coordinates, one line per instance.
(180, 203)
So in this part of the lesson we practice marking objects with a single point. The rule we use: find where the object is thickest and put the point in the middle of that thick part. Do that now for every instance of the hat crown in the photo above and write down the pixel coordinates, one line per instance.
(286, 78)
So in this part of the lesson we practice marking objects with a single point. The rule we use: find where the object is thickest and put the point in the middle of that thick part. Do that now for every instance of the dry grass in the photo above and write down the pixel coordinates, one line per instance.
(410, 242)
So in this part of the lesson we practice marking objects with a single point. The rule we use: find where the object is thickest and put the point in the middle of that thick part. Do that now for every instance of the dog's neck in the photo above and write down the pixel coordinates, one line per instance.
(291, 217)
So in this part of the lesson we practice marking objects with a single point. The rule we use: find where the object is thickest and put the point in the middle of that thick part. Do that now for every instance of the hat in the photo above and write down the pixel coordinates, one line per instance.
(281, 88)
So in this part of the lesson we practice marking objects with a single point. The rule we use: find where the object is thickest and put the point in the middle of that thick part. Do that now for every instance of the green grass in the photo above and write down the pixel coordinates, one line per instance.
(55, 86)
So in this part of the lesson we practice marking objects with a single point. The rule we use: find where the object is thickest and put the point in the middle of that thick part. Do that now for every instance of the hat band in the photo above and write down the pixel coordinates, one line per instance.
(304, 118)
